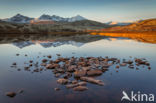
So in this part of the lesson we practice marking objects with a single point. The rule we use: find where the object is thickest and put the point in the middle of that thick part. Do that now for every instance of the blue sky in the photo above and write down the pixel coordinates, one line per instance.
(99, 10)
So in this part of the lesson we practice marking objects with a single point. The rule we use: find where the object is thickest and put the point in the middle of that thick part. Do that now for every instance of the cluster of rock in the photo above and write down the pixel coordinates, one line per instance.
(76, 72)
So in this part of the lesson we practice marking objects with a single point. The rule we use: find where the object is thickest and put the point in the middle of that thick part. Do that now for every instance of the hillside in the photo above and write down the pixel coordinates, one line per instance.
(142, 26)
(77, 26)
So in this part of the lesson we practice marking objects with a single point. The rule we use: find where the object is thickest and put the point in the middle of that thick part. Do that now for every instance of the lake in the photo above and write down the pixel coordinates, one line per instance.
(39, 86)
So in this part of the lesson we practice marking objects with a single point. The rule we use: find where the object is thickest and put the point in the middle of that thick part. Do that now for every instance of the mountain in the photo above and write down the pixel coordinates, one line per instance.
(58, 18)
(148, 25)
(53, 18)
(19, 19)
(76, 18)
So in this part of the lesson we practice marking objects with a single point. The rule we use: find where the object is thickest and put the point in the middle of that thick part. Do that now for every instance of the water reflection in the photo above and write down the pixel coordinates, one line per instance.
(141, 37)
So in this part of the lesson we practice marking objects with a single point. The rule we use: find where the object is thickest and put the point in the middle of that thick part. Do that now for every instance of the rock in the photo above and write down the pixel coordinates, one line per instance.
(56, 89)
(49, 66)
(79, 73)
(105, 66)
(62, 81)
(92, 80)
(30, 61)
(86, 68)
(71, 68)
(21, 91)
(11, 94)
(19, 69)
(131, 66)
(26, 68)
(117, 66)
(58, 54)
(57, 74)
(43, 64)
(41, 69)
(72, 85)
(94, 72)
(68, 75)
(77, 84)
(14, 63)
(123, 64)
(36, 70)
(74, 81)
(52, 66)
(80, 88)
(60, 70)
(104, 69)
(30, 65)
(82, 83)
(57, 61)
(128, 62)
(17, 54)
(44, 60)
(149, 68)
(49, 56)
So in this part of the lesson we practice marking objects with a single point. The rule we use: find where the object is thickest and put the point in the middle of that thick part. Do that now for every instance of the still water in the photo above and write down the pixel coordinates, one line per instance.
(39, 86)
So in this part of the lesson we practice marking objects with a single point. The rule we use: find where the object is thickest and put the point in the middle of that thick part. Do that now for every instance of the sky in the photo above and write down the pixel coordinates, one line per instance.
(98, 10)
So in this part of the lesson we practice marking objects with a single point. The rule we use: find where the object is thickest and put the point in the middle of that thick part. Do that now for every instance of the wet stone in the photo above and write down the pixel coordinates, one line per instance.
(94, 72)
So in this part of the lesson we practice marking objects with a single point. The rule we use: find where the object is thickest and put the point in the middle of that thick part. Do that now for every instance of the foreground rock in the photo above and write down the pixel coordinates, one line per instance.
(80, 88)
(92, 80)
(75, 72)
(11, 94)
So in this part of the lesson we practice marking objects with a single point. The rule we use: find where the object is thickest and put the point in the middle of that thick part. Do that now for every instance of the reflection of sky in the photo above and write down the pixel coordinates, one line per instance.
(100, 10)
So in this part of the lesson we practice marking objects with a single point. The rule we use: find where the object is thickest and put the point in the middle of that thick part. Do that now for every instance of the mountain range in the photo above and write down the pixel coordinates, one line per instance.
(25, 19)
(18, 18)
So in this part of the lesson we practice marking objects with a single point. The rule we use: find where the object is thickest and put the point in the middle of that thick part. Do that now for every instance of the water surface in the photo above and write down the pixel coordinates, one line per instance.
(39, 86)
